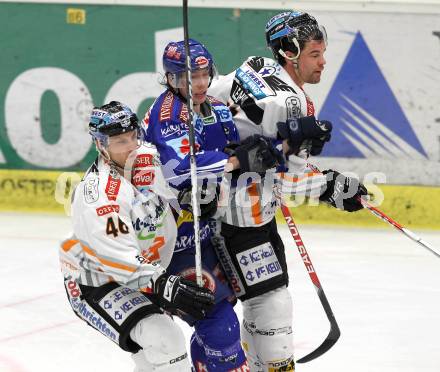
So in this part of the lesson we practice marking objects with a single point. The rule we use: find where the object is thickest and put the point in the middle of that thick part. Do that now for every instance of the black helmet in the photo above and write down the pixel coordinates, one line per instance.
(112, 119)
(290, 31)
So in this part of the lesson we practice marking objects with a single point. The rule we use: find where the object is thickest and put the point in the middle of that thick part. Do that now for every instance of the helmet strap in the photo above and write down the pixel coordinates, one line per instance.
(295, 57)
(172, 80)
(102, 151)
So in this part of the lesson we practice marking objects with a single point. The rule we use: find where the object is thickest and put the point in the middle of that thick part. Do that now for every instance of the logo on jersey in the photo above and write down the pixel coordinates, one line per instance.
(293, 105)
(152, 254)
(270, 81)
(183, 115)
(238, 94)
(187, 240)
(209, 120)
(251, 83)
(112, 187)
(167, 107)
(91, 191)
(223, 113)
(267, 71)
(171, 129)
(143, 178)
(144, 160)
(367, 118)
(181, 146)
(106, 209)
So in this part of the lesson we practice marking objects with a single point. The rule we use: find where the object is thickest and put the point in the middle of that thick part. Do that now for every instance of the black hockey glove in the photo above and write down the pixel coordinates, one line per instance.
(208, 200)
(173, 293)
(342, 192)
(255, 154)
(305, 132)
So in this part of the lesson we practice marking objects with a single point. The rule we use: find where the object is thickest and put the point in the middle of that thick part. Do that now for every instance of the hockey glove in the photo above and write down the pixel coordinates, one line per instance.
(255, 154)
(305, 132)
(342, 192)
(173, 293)
(208, 200)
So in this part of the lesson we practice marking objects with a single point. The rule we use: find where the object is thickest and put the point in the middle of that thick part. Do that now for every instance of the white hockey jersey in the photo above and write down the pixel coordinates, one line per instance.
(260, 93)
(120, 233)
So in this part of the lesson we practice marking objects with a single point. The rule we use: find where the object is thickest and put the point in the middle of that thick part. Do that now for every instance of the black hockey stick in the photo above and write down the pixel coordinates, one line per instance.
(335, 332)
(192, 148)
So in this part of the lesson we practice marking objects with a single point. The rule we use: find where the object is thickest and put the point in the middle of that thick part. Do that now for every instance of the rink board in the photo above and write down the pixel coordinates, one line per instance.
(59, 60)
(49, 191)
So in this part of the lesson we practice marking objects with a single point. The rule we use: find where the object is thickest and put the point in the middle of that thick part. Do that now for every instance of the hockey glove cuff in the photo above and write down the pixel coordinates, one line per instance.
(255, 154)
(305, 133)
(172, 293)
(342, 192)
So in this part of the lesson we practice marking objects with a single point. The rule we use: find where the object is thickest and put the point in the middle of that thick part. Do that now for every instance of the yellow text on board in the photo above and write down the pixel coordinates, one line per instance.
(76, 16)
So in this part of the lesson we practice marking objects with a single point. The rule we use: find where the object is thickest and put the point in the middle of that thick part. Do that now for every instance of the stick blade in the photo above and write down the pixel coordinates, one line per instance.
(328, 343)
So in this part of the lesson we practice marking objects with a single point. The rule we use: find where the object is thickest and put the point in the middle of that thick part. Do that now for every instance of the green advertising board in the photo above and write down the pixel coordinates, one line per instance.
(59, 60)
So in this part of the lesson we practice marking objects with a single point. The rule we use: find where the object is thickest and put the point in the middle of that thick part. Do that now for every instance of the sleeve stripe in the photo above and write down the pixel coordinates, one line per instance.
(284, 176)
(108, 262)
(68, 244)
(255, 204)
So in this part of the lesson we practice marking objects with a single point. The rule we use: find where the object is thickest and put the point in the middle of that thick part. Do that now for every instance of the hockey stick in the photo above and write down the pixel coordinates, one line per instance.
(192, 149)
(398, 226)
(335, 332)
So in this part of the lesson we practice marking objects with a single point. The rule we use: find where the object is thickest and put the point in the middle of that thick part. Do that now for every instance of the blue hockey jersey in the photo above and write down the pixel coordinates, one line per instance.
(166, 128)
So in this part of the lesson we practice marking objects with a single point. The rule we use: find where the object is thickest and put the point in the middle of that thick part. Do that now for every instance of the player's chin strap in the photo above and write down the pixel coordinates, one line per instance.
(104, 153)
(295, 57)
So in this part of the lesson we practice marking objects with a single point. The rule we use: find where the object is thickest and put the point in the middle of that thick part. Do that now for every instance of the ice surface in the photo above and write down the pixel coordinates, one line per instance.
(384, 290)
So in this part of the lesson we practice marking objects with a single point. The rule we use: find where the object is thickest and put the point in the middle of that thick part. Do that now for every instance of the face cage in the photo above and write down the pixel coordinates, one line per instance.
(294, 39)
(177, 82)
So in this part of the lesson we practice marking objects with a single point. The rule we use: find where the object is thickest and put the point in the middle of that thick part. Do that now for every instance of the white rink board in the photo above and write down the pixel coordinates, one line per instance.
(406, 52)
(383, 289)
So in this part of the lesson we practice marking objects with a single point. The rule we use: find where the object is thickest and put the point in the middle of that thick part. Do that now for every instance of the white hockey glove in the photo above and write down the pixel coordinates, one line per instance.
(172, 292)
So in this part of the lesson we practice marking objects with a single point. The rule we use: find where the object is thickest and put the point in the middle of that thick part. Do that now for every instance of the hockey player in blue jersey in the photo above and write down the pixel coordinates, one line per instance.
(215, 344)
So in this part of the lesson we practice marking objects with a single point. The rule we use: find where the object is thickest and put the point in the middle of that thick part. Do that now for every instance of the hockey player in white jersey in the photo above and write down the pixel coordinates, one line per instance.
(266, 97)
(124, 237)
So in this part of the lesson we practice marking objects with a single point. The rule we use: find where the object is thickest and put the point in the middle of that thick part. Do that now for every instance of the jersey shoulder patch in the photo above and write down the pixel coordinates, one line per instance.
(166, 106)
(91, 188)
(293, 107)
